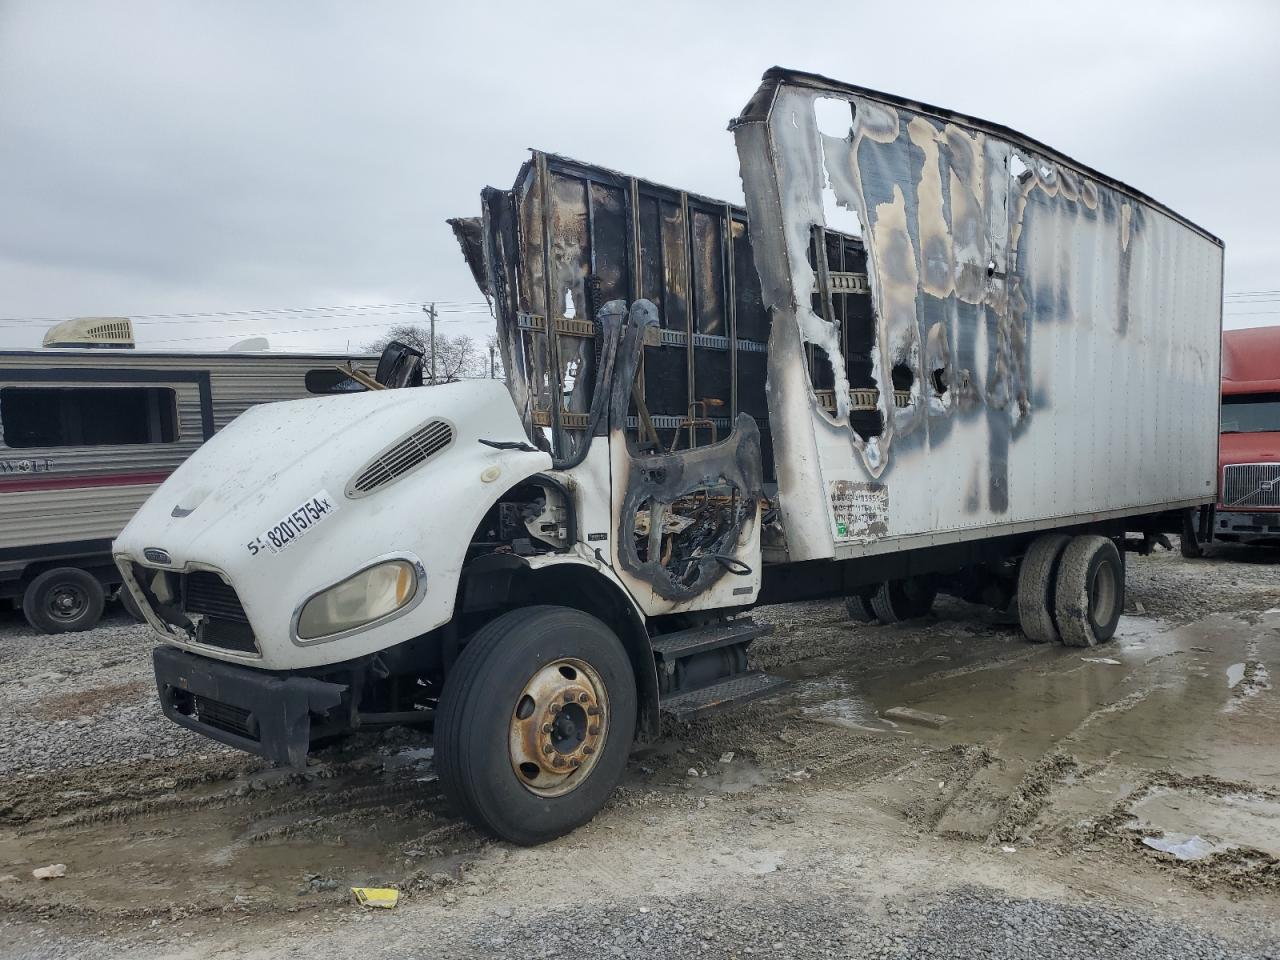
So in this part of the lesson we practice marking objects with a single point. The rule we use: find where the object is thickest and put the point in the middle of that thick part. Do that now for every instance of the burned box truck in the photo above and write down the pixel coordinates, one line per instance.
(929, 354)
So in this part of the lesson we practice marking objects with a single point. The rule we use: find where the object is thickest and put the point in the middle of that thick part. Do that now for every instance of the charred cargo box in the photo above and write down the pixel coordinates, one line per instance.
(943, 330)
(1056, 331)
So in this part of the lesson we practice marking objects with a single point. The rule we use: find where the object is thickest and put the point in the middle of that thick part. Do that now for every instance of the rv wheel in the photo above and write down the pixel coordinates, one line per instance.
(63, 600)
(535, 723)
(1089, 592)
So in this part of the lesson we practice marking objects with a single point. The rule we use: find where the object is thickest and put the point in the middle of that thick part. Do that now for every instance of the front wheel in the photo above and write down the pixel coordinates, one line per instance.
(535, 723)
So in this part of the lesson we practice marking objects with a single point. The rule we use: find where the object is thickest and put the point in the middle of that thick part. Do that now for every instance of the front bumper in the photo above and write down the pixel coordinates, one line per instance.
(259, 712)
(1246, 525)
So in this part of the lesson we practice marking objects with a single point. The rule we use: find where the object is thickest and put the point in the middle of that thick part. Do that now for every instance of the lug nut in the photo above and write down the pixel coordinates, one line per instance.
(555, 708)
(594, 730)
(568, 696)
(584, 697)
(588, 749)
(593, 711)
(575, 762)
(558, 761)
(548, 749)
(546, 728)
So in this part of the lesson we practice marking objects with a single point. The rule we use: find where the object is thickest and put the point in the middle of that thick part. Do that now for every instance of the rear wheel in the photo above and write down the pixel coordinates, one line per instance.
(535, 723)
(1036, 584)
(1089, 593)
(859, 608)
(898, 600)
(63, 600)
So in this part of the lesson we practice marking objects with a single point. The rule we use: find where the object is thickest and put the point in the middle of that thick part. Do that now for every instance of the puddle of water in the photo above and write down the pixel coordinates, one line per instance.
(1185, 847)
(1153, 697)
(852, 713)
(1234, 820)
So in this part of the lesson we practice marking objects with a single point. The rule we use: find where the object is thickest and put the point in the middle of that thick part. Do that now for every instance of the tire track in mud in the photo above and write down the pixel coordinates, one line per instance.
(224, 838)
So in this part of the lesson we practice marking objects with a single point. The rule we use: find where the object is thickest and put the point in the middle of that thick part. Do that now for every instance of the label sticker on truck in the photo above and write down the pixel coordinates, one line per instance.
(859, 511)
(295, 525)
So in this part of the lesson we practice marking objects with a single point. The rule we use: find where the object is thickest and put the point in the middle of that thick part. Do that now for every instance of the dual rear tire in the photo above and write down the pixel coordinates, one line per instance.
(893, 601)
(1070, 589)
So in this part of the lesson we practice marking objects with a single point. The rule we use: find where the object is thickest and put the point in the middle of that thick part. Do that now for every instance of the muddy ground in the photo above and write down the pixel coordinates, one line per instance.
(1049, 815)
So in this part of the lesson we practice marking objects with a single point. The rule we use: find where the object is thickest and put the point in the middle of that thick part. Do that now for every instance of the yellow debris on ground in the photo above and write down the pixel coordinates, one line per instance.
(386, 897)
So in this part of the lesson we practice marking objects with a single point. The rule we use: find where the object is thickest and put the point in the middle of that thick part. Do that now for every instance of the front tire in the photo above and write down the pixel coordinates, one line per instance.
(535, 723)
(63, 600)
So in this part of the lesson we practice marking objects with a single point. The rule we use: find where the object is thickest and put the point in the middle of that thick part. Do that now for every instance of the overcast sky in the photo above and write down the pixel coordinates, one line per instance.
(172, 157)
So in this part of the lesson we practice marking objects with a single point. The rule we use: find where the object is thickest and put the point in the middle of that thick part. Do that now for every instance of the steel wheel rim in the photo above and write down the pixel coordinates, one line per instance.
(1102, 594)
(66, 602)
(558, 727)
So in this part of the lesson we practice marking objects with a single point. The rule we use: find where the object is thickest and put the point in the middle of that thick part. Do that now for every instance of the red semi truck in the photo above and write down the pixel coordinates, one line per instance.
(1248, 507)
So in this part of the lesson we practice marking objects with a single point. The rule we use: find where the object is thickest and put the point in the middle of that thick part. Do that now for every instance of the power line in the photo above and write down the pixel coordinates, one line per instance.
(250, 314)
(402, 314)
(280, 333)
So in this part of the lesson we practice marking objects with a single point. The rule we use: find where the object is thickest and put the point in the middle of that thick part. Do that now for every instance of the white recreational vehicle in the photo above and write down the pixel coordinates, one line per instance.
(86, 435)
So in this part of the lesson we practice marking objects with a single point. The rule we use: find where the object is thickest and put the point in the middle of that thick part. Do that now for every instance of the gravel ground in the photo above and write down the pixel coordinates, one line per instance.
(82, 703)
(967, 923)
(804, 924)
(78, 699)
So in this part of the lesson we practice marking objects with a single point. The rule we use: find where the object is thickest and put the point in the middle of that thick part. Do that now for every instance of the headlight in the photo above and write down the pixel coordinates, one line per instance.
(369, 595)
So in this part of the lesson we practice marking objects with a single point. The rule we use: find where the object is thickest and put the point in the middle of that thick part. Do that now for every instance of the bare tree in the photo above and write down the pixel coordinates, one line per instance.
(457, 358)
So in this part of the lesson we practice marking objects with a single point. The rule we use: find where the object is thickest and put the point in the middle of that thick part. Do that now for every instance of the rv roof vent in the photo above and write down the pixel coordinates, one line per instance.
(110, 332)
(404, 455)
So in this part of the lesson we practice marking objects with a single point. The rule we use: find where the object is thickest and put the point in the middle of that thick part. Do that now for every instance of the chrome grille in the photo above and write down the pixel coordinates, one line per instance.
(401, 457)
(1246, 485)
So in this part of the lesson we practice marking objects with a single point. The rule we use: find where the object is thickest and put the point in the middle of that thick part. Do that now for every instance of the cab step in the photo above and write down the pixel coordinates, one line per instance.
(717, 696)
(686, 643)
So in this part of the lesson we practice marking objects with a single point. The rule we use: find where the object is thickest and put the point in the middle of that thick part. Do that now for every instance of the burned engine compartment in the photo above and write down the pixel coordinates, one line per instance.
(648, 309)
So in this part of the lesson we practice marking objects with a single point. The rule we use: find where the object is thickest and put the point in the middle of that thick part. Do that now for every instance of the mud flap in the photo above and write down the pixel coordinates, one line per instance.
(248, 709)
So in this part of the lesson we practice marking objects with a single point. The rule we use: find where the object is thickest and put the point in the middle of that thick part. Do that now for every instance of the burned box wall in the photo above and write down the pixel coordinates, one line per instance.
(610, 236)
(1043, 343)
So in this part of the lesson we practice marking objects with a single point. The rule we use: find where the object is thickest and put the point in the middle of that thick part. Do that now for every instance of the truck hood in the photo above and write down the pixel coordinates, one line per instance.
(1247, 448)
(220, 508)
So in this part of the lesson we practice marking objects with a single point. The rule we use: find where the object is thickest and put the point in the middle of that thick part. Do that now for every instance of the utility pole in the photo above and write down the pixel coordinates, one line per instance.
(492, 375)
(430, 311)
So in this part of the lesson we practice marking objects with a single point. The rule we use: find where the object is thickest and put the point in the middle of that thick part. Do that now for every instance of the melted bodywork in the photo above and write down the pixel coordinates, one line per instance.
(1041, 333)
(630, 315)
